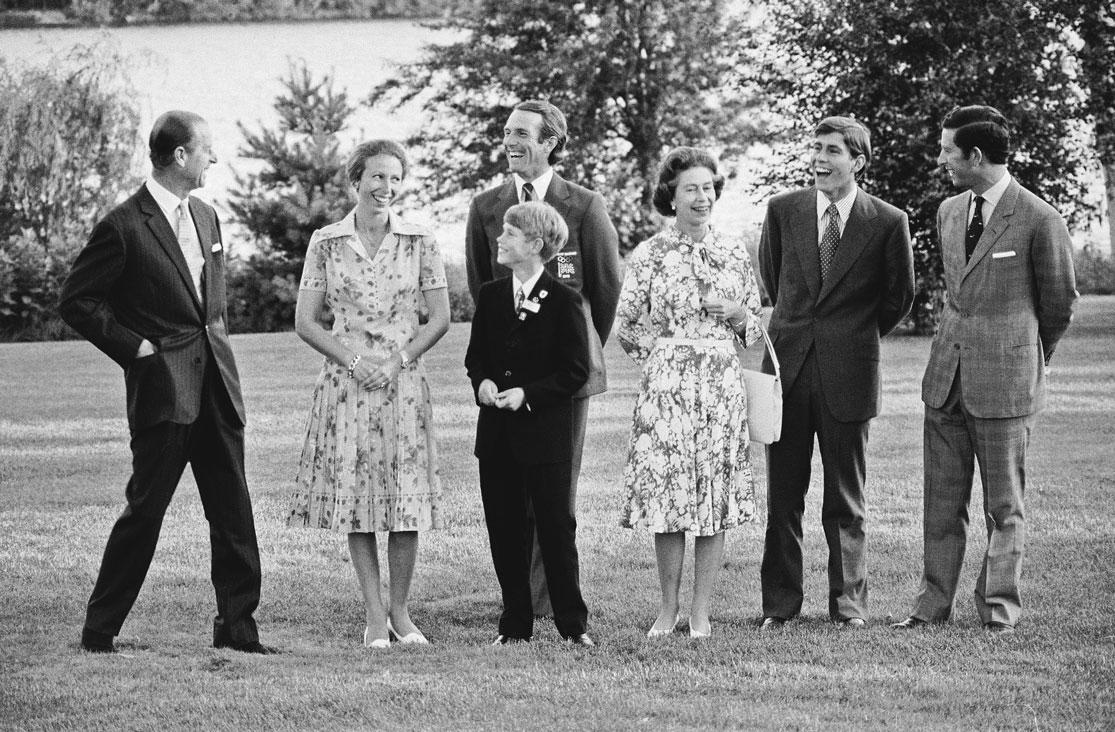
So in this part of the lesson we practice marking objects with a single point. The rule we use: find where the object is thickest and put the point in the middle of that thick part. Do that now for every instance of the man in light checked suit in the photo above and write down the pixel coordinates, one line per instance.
(1011, 288)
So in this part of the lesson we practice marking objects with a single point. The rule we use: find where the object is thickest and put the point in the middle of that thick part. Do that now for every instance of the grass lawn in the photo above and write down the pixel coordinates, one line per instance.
(64, 461)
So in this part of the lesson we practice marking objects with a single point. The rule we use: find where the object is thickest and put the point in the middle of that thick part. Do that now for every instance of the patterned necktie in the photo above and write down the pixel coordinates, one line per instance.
(519, 297)
(830, 240)
(975, 229)
(528, 192)
(191, 247)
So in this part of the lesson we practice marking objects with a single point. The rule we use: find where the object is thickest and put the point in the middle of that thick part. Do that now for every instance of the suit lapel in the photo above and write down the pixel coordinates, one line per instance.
(802, 227)
(857, 232)
(557, 195)
(995, 226)
(160, 229)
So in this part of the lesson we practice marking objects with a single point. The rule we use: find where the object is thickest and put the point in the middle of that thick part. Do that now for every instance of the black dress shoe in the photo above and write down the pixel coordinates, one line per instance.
(503, 640)
(250, 647)
(96, 642)
(910, 623)
(997, 628)
(581, 640)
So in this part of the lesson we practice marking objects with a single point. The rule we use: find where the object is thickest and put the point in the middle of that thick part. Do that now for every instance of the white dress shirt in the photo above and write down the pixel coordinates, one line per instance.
(843, 207)
(990, 198)
(541, 184)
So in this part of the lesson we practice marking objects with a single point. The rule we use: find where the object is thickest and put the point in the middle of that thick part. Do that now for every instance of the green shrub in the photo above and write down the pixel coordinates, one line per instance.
(1095, 271)
(461, 306)
(262, 294)
(68, 152)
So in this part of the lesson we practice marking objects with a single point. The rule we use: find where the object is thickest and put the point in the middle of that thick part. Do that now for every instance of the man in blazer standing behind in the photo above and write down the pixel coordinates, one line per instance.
(527, 356)
(148, 289)
(534, 139)
(1011, 288)
(838, 266)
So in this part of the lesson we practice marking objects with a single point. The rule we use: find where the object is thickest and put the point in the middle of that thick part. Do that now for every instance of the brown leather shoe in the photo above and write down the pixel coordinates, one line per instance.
(997, 628)
(850, 623)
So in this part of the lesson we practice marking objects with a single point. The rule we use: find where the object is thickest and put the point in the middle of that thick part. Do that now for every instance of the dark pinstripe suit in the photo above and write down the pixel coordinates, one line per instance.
(131, 283)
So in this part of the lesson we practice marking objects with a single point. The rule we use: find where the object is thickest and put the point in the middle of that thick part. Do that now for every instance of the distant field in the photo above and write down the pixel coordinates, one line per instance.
(64, 461)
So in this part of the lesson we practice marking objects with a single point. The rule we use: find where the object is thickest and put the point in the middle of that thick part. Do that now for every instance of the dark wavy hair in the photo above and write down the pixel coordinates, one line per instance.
(553, 125)
(676, 162)
(978, 125)
(355, 165)
(172, 130)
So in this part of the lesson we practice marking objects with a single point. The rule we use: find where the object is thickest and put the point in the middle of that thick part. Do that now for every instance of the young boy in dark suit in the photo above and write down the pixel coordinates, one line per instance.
(527, 356)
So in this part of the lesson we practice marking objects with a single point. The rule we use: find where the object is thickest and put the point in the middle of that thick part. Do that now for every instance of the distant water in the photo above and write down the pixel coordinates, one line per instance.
(230, 72)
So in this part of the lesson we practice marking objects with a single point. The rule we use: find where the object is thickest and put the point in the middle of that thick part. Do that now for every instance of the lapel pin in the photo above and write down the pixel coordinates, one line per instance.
(215, 248)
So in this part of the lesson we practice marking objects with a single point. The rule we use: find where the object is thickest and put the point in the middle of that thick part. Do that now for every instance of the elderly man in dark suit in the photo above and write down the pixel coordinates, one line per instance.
(148, 289)
(534, 139)
(527, 357)
(838, 266)
(1011, 288)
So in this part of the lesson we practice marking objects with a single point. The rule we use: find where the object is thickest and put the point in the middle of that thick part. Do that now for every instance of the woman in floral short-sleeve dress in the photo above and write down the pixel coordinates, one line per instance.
(369, 462)
(688, 295)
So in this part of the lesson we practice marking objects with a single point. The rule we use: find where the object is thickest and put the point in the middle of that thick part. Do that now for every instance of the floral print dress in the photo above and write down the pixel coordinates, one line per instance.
(688, 464)
(369, 462)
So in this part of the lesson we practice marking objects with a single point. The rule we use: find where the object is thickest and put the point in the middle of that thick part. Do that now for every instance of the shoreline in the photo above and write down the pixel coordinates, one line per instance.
(51, 19)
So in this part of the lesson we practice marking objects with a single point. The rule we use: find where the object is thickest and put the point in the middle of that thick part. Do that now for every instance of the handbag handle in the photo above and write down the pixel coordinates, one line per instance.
(770, 350)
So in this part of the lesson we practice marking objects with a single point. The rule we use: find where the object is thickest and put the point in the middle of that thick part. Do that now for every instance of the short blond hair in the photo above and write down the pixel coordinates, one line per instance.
(540, 219)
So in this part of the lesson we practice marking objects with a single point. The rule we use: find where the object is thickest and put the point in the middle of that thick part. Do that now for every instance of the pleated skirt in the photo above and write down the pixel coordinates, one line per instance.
(369, 461)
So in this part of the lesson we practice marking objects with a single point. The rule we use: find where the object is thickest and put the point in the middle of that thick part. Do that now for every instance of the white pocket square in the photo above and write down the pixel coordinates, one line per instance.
(1002, 255)
(217, 247)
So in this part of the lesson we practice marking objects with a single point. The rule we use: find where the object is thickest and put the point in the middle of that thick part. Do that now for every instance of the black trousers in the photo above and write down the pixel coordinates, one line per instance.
(843, 510)
(509, 490)
(539, 593)
(213, 445)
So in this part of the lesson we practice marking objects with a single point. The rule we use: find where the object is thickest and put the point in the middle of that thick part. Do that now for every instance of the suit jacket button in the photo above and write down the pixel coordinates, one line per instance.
(956, 346)
(197, 360)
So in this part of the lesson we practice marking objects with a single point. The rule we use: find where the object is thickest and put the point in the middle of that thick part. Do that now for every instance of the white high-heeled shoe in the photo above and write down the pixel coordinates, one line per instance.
(653, 633)
(377, 643)
(413, 638)
(694, 633)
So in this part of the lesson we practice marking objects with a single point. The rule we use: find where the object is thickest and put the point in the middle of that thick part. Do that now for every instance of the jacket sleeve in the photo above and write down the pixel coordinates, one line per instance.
(898, 292)
(86, 301)
(770, 253)
(600, 249)
(478, 252)
(475, 360)
(1055, 279)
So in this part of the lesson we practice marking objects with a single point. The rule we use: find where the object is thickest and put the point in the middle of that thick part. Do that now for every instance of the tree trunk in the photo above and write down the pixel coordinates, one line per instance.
(1107, 165)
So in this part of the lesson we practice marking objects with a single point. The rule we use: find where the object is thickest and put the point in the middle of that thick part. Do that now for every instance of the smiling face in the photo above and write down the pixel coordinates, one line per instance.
(961, 170)
(526, 154)
(380, 183)
(834, 167)
(197, 156)
(514, 247)
(694, 197)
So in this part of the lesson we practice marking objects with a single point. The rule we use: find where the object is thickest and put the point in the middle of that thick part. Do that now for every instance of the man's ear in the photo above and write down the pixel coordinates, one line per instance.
(976, 156)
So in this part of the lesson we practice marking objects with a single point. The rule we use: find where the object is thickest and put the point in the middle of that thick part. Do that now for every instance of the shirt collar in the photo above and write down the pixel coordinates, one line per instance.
(991, 196)
(168, 202)
(541, 184)
(843, 206)
(528, 286)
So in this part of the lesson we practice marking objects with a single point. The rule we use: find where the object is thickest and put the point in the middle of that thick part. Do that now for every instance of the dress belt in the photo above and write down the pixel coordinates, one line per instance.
(726, 343)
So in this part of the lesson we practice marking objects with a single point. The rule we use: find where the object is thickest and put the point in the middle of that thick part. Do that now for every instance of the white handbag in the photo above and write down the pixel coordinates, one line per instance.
(764, 399)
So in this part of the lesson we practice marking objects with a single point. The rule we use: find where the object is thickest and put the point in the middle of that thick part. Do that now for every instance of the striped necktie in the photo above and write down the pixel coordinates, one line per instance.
(528, 192)
(975, 229)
